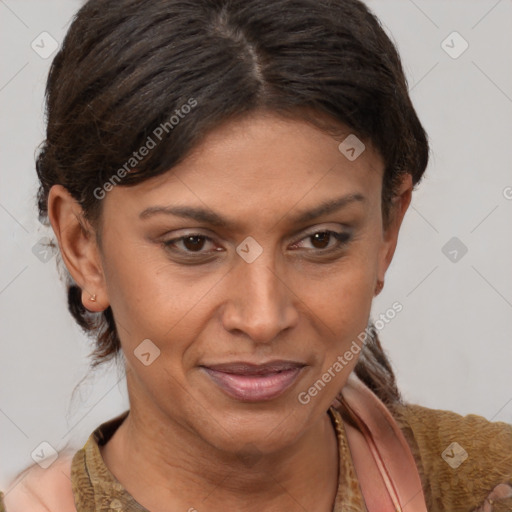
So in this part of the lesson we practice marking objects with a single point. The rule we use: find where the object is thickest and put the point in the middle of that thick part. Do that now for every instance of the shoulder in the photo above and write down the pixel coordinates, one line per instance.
(42, 490)
(436, 429)
(463, 459)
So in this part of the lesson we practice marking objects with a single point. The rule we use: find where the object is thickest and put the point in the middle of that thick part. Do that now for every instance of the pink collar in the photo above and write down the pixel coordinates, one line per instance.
(384, 464)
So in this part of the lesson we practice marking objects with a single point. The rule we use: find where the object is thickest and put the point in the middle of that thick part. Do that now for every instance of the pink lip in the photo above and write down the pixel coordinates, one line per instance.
(254, 383)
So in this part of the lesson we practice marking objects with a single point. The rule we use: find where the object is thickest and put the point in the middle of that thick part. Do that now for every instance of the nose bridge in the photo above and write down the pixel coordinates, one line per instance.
(260, 303)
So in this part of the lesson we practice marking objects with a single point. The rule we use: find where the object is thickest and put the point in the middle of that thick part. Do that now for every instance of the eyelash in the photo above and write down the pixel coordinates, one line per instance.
(342, 238)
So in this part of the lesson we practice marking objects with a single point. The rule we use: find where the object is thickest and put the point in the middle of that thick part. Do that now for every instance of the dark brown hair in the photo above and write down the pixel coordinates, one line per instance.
(127, 66)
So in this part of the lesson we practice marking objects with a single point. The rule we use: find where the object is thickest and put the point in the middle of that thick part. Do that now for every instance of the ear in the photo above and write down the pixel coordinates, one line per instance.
(398, 207)
(78, 247)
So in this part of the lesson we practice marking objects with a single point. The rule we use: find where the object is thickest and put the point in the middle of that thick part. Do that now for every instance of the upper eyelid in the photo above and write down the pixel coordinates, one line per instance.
(306, 230)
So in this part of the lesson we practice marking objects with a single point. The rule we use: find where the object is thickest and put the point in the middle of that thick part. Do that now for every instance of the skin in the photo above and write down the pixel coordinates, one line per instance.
(186, 444)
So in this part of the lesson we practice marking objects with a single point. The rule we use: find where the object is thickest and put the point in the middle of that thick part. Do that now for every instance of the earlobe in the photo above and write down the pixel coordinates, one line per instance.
(78, 247)
(378, 287)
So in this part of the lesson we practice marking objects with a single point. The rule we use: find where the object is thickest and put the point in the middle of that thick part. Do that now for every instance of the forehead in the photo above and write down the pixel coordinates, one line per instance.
(262, 162)
(276, 143)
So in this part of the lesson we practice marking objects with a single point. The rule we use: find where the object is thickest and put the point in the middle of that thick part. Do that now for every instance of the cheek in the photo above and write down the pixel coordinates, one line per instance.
(153, 299)
(342, 301)
(136, 289)
(349, 307)
(343, 294)
(341, 310)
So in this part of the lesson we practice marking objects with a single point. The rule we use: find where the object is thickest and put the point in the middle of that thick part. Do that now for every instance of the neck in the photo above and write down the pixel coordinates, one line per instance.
(165, 466)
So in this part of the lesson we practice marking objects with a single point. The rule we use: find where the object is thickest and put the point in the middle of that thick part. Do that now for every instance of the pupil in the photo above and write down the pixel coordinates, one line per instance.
(194, 242)
(323, 238)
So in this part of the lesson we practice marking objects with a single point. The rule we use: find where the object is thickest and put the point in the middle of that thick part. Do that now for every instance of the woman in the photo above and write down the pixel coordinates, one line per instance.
(226, 181)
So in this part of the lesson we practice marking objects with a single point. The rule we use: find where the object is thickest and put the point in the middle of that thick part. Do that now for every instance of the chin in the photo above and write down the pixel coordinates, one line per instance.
(254, 430)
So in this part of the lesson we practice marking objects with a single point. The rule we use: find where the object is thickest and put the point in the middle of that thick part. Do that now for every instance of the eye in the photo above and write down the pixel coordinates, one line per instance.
(196, 244)
(191, 243)
(321, 240)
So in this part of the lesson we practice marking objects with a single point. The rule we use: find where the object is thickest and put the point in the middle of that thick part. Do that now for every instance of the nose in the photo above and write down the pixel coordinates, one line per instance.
(261, 303)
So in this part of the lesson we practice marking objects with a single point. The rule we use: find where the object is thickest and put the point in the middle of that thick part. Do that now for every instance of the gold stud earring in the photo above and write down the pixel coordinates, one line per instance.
(92, 298)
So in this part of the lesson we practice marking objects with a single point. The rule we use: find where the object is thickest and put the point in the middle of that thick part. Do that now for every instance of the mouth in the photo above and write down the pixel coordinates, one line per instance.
(249, 382)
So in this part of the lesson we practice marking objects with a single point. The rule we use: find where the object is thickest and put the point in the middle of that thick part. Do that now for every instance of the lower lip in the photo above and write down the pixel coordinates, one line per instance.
(254, 388)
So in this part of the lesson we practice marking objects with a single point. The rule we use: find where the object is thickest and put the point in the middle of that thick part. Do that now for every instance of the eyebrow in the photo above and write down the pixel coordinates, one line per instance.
(214, 219)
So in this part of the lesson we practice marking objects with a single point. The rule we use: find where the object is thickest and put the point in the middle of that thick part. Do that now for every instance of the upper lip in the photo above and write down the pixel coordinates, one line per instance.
(246, 368)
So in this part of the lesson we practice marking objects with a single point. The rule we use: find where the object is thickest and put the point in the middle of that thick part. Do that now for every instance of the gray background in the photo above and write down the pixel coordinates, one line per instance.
(450, 346)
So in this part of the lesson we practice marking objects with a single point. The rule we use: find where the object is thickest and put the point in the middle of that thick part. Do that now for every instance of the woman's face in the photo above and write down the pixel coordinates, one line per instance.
(217, 262)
